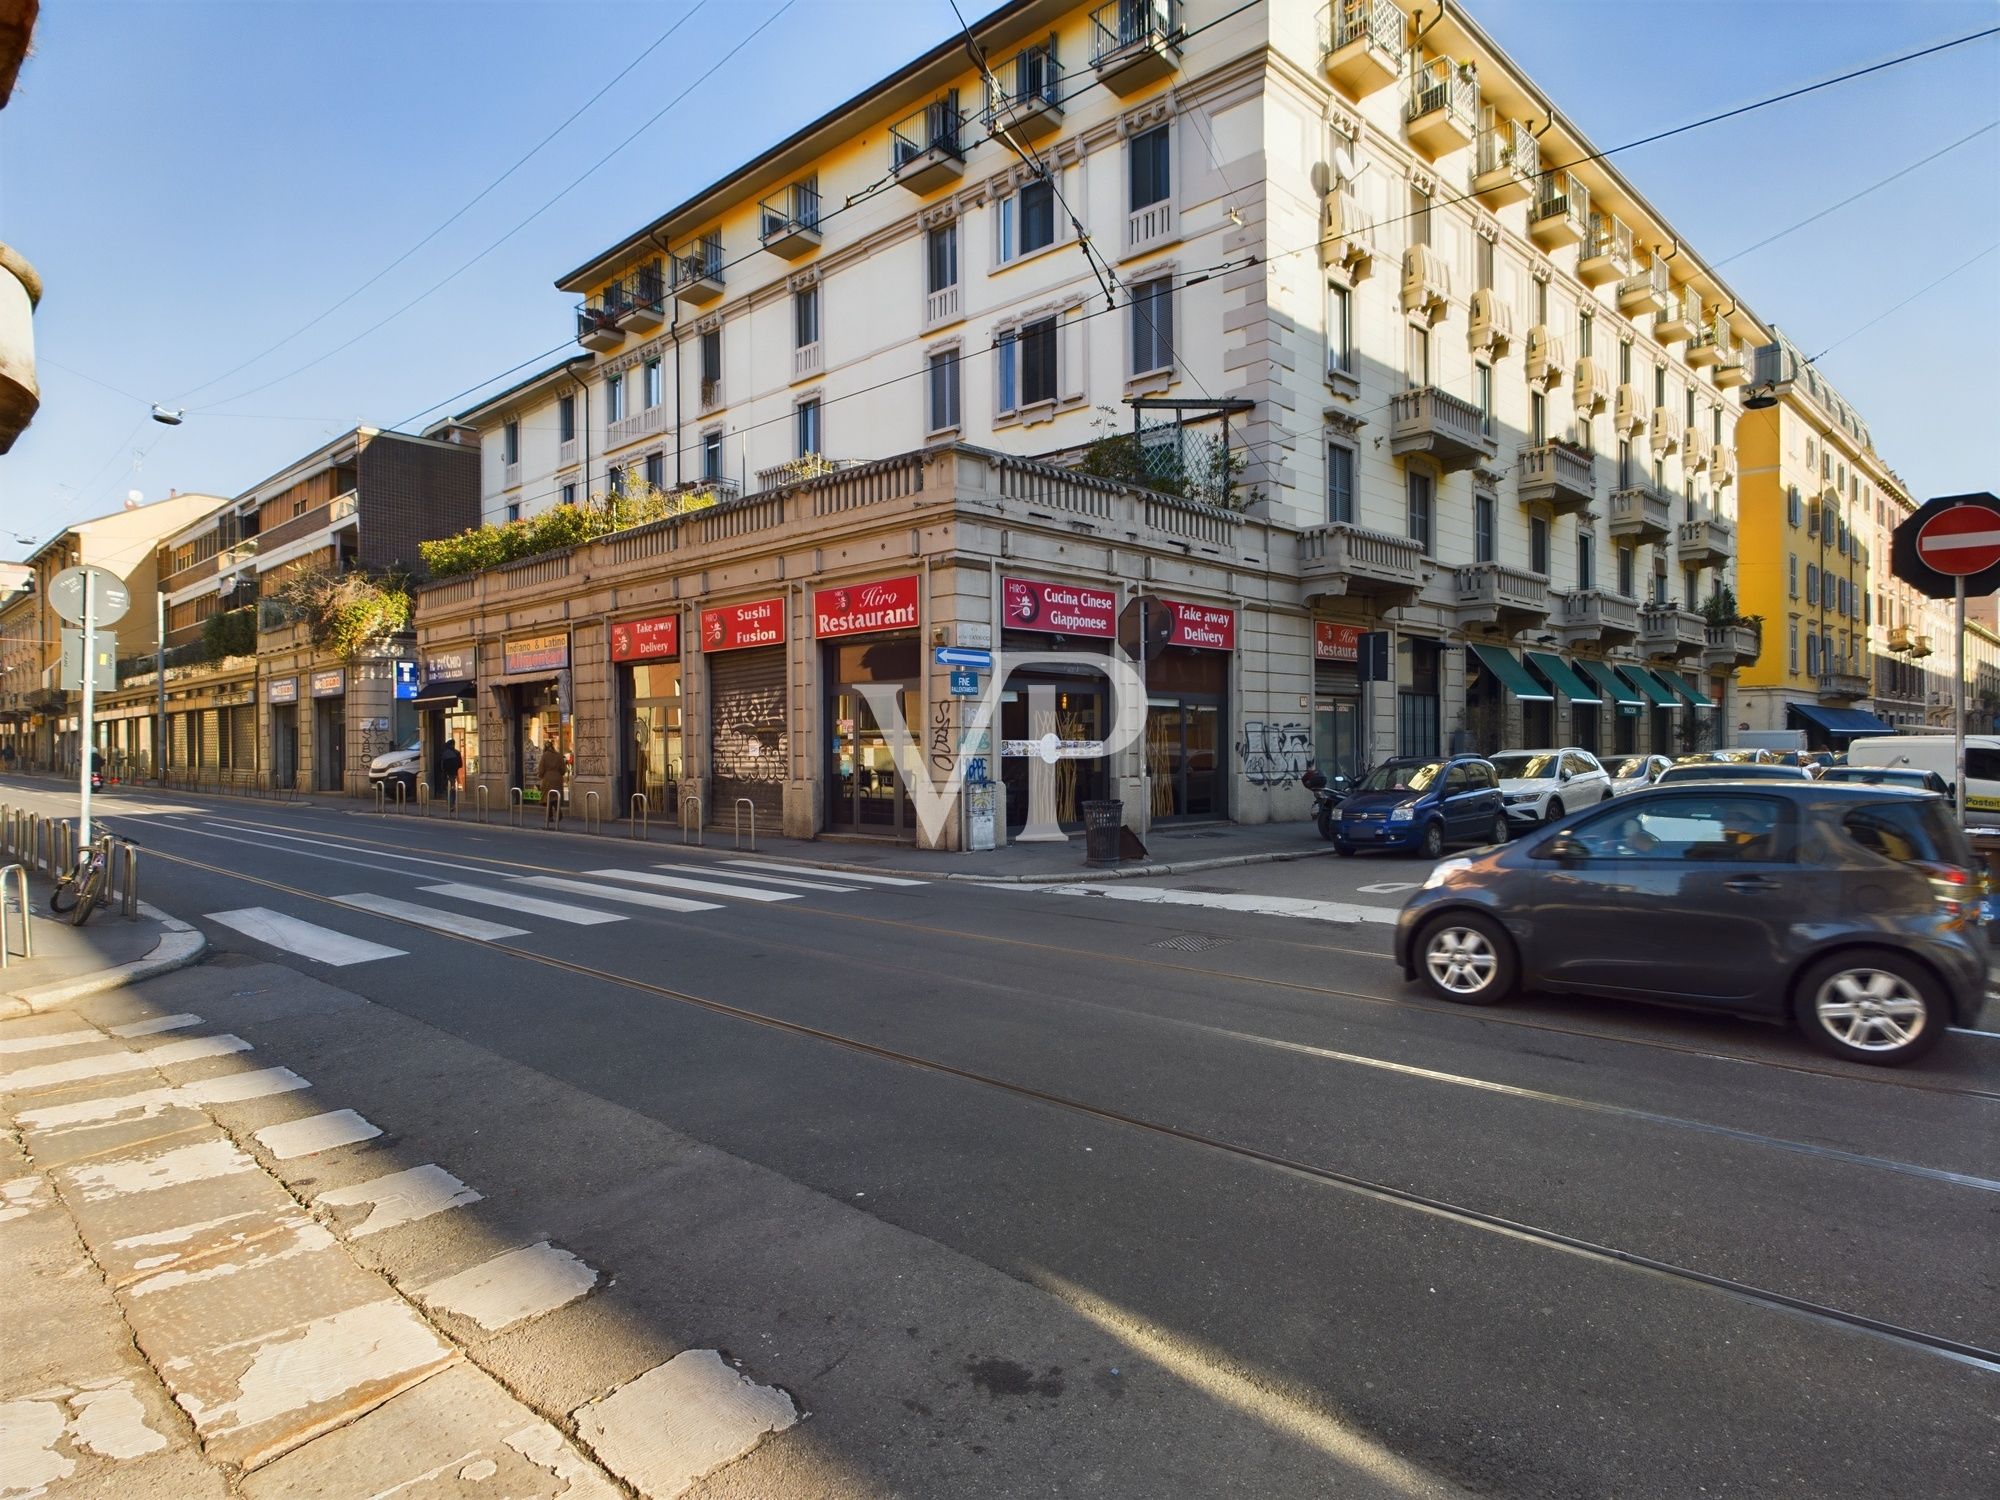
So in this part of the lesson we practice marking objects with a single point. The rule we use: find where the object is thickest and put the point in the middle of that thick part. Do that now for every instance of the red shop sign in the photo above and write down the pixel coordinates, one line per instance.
(1205, 625)
(1333, 642)
(734, 626)
(646, 640)
(1058, 608)
(862, 608)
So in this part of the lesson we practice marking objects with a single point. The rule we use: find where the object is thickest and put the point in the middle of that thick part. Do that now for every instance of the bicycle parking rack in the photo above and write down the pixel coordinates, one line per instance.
(482, 802)
(636, 822)
(593, 818)
(741, 803)
(18, 873)
(515, 803)
(381, 799)
(424, 798)
(691, 799)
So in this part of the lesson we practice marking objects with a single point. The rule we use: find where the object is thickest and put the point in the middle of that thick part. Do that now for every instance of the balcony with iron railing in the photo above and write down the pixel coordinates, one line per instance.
(1640, 513)
(788, 221)
(1598, 615)
(1451, 431)
(645, 307)
(1922, 647)
(1732, 369)
(1668, 632)
(1901, 638)
(1361, 44)
(1344, 560)
(237, 555)
(1024, 96)
(1135, 43)
(1730, 646)
(1558, 475)
(927, 149)
(1607, 251)
(1842, 687)
(1561, 215)
(1707, 541)
(1679, 316)
(597, 321)
(1711, 344)
(698, 276)
(1507, 166)
(1507, 598)
(1442, 113)
(1645, 290)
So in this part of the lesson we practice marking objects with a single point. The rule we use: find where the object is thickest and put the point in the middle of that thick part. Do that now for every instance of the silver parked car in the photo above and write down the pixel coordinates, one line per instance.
(1631, 773)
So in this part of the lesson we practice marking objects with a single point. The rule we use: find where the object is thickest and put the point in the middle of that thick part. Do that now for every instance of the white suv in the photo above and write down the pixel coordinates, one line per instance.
(1538, 786)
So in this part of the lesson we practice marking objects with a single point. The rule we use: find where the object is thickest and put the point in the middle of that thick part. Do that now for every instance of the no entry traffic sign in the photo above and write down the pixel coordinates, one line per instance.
(1960, 541)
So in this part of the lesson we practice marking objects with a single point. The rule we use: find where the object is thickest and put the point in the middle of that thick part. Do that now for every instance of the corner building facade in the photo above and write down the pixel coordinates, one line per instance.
(1484, 404)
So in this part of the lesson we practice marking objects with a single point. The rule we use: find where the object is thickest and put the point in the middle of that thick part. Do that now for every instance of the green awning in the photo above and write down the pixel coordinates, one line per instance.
(1622, 692)
(1685, 688)
(1513, 676)
(1651, 686)
(1559, 675)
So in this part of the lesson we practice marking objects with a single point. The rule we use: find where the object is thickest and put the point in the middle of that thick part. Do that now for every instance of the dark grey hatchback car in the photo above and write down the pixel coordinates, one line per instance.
(1850, 910)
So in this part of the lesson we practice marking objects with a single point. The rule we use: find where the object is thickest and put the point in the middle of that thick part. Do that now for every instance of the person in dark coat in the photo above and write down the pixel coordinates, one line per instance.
(549, 777)
(450, 764)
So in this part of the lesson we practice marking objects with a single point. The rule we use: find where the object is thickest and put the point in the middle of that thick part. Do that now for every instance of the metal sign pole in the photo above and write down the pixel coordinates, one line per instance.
(1958, 698)
(85, 738)
(160, 684)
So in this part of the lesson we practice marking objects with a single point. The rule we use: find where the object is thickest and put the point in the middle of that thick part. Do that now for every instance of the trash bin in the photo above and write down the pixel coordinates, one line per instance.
(1101, 824)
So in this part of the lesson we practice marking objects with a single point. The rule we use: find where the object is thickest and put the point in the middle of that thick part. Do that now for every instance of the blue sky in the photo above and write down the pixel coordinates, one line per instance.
(194, 180)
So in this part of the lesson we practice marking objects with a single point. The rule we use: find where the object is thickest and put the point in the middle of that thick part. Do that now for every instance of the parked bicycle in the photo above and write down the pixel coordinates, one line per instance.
(79, 892)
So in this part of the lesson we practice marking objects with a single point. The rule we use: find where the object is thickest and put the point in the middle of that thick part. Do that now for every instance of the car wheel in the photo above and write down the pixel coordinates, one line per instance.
(1325, 820)
(1345, 851)
(1871, 1006)
(1553, 811)
(1433, 844)
(1465, 958)
(1501, 831)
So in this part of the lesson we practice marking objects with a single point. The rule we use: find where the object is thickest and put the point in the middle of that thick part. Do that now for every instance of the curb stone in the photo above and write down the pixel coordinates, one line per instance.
(179, 946)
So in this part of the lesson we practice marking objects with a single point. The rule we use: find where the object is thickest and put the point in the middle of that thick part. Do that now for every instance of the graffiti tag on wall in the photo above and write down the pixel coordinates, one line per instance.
(749, 737)
(1275, 754)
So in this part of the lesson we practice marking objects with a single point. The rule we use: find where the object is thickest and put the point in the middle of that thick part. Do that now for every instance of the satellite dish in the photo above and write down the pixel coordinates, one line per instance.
(134, 499)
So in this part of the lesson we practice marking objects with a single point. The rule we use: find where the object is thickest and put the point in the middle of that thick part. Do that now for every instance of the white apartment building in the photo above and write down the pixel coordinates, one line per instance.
(1483, 398)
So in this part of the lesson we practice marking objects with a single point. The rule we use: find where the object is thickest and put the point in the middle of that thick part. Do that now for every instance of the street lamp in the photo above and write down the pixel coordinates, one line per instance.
(166, 417)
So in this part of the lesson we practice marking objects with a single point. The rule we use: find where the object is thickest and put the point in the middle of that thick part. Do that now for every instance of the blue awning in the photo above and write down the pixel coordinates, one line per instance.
(1853, 722)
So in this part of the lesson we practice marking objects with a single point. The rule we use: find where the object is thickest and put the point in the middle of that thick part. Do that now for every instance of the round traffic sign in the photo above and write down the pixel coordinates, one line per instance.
(1960, 540)
(109, 600)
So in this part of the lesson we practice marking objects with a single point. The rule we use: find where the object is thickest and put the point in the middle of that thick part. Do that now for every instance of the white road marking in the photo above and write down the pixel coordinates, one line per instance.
(1269, 906)
(160, 1169)
(54, 1039)
(431, 916)
(612, 893)
(681, 1420)
(401, 1198)
(234, 1088)
(306, 939)
(555, 911)
(109, 1420)
(316, 1133)
(111, 1064)
(717, 872)
(848, 875)
(1387, 887)
(372, 865)
(512, 1287)
(229, 1088)
(157, 1024)
(334, 843)
(706, 887)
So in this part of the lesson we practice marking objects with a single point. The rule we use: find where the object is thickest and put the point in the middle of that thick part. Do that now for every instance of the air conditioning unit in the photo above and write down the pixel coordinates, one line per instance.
(1628, 415)
(1492, 323)
(1593, 386)
(1545, 357)
(1666, 429)
(1426, 282)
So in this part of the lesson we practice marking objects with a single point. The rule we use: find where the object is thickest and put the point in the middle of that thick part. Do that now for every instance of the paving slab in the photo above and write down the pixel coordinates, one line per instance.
(132, 1235)
(162, 1122)
(457, 1435)
(398, 1198)
(680, 1421)
(512, 1287)
(97, 1067)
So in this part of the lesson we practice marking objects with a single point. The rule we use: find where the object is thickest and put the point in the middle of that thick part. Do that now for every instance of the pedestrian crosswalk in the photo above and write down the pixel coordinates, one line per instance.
(591, 898)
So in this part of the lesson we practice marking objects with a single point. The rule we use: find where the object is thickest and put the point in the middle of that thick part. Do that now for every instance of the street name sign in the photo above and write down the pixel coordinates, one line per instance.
(111, 599)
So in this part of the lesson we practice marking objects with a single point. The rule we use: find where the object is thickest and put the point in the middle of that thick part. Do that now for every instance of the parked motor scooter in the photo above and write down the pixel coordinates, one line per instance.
(1328, 792)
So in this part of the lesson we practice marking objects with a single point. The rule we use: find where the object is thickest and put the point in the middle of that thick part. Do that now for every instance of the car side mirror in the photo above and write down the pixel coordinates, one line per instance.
(1563, 848)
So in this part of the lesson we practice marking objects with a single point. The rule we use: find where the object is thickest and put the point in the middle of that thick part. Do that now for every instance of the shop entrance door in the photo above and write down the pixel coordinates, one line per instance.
(1078, 711)
(329, 744)
(285, 747)
(1337, 737)
(1184, 756)
(866, 790)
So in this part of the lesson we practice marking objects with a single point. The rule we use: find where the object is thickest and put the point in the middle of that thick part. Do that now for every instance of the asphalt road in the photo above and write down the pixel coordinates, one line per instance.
(1556, 1249)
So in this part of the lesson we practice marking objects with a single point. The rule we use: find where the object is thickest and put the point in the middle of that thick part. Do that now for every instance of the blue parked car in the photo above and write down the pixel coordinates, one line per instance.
(1418, 805)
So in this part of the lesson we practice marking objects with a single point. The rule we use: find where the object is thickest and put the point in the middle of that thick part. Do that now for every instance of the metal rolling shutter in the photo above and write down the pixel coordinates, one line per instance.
(211, 739)
(243, 738)
(748, 745)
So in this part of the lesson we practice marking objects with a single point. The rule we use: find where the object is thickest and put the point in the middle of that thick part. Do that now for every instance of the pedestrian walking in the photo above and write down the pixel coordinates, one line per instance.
(450, 764)
(549, 777)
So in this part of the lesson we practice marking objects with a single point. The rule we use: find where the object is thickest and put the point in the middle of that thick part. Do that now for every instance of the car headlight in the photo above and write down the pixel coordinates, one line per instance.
(1442, 872)
(1402, 812)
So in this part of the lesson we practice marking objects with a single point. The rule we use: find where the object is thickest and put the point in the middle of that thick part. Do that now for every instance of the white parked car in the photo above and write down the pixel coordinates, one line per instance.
(1631, 773)
(402, 764)
(1537, 785)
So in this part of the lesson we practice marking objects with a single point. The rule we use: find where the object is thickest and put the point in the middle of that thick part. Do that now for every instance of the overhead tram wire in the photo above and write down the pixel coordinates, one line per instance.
(462, 210)
(597, 166)
(1203, 273)
(1932, 286)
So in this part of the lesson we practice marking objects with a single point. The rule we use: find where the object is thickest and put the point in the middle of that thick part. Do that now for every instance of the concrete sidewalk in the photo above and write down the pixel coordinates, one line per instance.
(68, 962)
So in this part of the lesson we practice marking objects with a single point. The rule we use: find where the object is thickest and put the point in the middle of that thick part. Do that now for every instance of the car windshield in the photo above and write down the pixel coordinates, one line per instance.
(1525, 765)
(1631, 765)
(1873, 777)
(1403, 776)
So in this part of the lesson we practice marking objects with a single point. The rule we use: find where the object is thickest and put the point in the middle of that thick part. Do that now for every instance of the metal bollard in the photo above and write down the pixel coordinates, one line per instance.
(741, 803)
(691, 799)
(593, 820)
(423, 798)
(635, 817)
(381, 799)
(557, 804)
(19, 872)
(131, 883)
(515, 803)
(402, 798)
(483, 802)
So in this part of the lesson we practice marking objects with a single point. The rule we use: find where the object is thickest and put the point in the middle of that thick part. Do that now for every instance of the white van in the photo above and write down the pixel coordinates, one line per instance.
(1932, 752)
